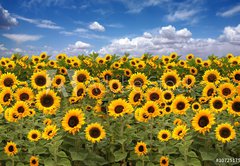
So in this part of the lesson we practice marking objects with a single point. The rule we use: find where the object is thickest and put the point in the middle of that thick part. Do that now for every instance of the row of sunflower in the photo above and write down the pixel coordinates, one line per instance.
(111, 110)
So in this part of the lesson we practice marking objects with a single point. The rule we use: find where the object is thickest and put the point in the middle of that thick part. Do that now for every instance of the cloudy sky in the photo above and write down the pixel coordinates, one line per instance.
(117, 26)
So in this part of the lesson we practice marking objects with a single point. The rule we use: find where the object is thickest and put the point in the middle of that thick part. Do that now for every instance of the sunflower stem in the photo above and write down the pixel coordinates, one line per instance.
(12, 161)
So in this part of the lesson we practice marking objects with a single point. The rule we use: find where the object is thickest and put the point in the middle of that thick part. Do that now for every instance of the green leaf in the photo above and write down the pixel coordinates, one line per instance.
(64, 162)
(62, 154)
(78, 156)
(208, 155)
(194, 162)
(20, 164)
(179, 162)
(120, 155)
(49, 162)
(192, 154)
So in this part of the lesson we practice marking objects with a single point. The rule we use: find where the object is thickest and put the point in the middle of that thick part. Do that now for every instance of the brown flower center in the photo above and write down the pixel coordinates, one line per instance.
(94, 132)
(225, 132)
(47, 100)
(73, 121)
(118, 109)
(217, 104)
(6, 97)
(170, 80)
(81, 77)
(154, 96)
(8, 82)
(136, 97)
(40, 80)
(236, 106)
(180, 105)
(80, 92)
(96, 91)
(24, 96)
(203, 121)
(138, 82)
(212, 78)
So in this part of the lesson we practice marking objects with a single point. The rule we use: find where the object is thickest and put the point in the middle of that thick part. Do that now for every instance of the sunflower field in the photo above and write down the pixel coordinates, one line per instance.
(89, 110)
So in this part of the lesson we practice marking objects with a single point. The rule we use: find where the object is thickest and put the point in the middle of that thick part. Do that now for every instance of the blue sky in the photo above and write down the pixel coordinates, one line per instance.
(117, 26)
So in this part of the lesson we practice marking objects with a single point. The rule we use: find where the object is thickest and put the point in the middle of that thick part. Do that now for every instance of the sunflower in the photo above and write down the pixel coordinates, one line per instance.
(193, 70)
(49, 132)
(167, 96)
(177, 121)
(229, 55)
(6, 96)
(196, 106)
(225, 132)
(164, 135)
(236, 76)
(107, 75)
(11, 115)
(141, 115)
(198, 60)
(135, 97)
(81, 76)
(234, 106)
(217, 103)
(8, 80)
(173, 55)
(188, 81)
(170, 80)
(226, 90)
(108, 57)
(115, 86)
(203, 121)
(31, 112)
(116, 65)
(138, 80)
(206, 63)
(211, 76)
(58, 81)
(96, 90)
(179, 132)
(154, 94)
(47, 101)
(127, 72)
(73, 121)
(47, 121)
(43, 55)
(34, 135)
(52, 63)
(180, 105)
(152, 108)
(63, 70)
(141, 148)
(95, 132)
(164, 161)
(34, 161)
(100, 60)
(40, 80)
(21, 108)
(24, 94)
(124, 58)
(190, 56)
(79, 91)
(209, 90)
(119, 107)
(11, 148)
(167, 110)
(182, 63)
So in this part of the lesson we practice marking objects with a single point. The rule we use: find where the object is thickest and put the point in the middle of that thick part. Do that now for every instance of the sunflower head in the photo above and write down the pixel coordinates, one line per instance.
(49, 132)
(141, 148)
(225, 132)
(34, 161)
(203, 121)
(138, 80)
(135, 96)
(96, 90)
(73, 121)
(179, 132)
(211, 76)
(170, 80)
(234, 106)
(164, 135)
(40, 80)
(95, 132)
(34, 135)
(8, 80)
(11, 148)
(164, 161)
(180, 105)
(115, 85)
(119, 107)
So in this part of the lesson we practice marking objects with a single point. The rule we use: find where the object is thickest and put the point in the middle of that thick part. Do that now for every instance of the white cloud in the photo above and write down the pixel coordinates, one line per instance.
(6, 20)
(80, 30)
(231, 35)
(96, 26)
(136, 6)
(230, 12)
(20, 38)
(48, 24)
(2, 47)
(168, 40)
(181, 15)
(78, 48)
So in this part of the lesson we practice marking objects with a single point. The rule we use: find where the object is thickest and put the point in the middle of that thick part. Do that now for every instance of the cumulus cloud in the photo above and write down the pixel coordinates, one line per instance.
(230, 12)
(169, 39)
(96, 26)
(48, 24)
(20, 38)
(79, 47)
(2, 47)
(231, 35)
(6, 19)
